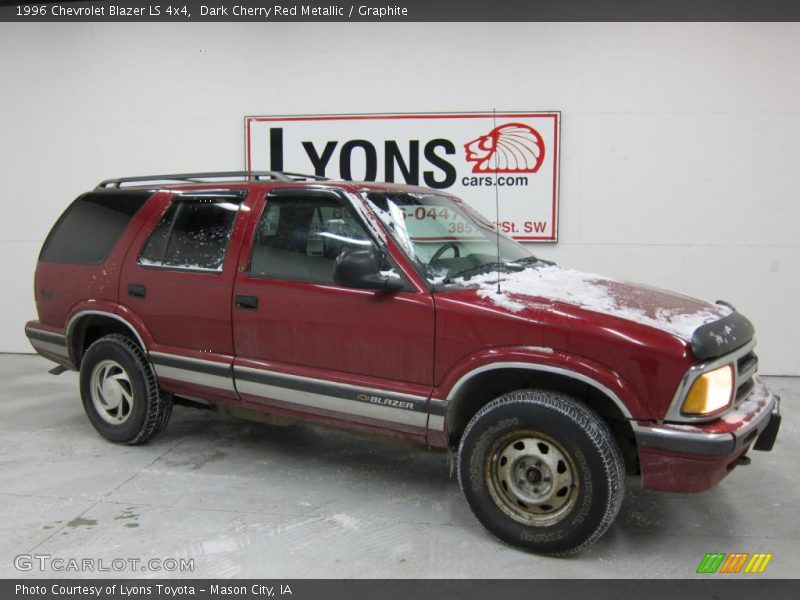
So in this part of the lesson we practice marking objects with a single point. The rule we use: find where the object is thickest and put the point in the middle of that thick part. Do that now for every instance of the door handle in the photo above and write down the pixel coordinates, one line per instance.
(247, 302)
(137, 290)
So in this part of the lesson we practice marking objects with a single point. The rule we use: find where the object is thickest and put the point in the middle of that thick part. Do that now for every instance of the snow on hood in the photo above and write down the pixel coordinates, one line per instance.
(667, 311)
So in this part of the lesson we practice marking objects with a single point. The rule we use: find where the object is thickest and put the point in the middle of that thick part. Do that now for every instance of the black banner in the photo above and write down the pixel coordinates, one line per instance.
(401, 10)
(371, 589)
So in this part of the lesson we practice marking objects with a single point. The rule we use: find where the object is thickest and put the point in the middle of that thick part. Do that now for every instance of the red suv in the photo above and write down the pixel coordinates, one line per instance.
(400, 311)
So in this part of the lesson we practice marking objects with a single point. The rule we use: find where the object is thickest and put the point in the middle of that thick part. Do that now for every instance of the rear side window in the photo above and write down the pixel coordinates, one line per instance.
(91, 226)
(193, 233)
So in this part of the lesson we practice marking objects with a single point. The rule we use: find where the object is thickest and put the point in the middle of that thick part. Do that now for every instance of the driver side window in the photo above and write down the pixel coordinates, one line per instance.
(299, 238)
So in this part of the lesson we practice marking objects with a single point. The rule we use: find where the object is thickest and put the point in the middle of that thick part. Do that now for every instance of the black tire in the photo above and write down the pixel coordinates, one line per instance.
(166, 413)
(119, 392)
(541, 472)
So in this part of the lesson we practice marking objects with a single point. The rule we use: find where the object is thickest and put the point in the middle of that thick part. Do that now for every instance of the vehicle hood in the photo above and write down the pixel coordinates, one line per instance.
(667, 311)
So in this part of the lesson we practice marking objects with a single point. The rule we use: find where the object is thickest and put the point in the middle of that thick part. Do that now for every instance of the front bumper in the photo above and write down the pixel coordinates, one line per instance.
(693, 458)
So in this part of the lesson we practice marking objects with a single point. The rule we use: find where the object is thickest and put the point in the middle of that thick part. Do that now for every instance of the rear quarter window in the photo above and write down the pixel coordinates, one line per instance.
(91, 227)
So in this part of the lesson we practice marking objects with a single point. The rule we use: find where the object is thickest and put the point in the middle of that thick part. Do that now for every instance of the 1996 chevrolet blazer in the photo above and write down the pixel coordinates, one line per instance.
(396, 310)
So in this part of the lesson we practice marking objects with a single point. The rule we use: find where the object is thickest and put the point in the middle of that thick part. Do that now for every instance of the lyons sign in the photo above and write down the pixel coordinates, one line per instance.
(465, 154)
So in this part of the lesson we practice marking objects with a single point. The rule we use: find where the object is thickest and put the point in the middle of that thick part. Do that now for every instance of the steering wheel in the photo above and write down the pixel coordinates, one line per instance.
(445, 247)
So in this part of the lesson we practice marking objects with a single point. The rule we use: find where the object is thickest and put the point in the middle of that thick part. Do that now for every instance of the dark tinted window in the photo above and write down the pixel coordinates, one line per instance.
(299, 238)
(193, 233)
(91, 226)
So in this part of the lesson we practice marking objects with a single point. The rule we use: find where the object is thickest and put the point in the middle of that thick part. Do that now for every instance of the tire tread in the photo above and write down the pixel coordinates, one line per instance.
(596, 429)
(158, 405)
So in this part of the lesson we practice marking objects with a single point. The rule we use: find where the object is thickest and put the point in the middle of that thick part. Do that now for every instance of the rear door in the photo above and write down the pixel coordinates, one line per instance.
(307, 346)
(178, 278)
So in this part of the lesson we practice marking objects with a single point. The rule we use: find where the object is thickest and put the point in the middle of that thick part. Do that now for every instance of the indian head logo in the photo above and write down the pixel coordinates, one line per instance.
(508, 148)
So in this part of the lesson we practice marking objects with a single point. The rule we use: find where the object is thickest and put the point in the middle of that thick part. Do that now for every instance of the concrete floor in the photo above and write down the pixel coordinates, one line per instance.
(249, 500)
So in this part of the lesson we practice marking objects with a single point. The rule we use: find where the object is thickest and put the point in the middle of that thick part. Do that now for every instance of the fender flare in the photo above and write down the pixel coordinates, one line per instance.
(608, 382)
(542, 368)
(108, 310)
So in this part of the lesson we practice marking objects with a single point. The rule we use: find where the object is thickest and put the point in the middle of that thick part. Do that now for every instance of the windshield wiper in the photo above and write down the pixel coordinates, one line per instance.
(490, 265)
(532, 260)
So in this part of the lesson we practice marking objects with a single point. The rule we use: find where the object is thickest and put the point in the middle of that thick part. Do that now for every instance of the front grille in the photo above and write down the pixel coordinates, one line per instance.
(746, 368)
(749, 362)
(743, 391)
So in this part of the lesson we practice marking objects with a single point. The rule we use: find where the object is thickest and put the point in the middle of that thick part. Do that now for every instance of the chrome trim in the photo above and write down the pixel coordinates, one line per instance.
(43, 340)
(190, 360)
(686, 442)
(190, 375)
(44, 334)
(438, 406)
(678, 435)
(49, 347)
(674, 411)
(166, 267)
(755, 424)
(414, 418)
(546, 369)
(349, 386)
(749, 373)
(436, 423)
(79, 315)
(194, 377)
(437, 413)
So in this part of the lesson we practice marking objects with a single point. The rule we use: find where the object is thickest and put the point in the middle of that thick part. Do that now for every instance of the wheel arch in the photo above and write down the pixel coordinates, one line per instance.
(87, 326)
(478, 387)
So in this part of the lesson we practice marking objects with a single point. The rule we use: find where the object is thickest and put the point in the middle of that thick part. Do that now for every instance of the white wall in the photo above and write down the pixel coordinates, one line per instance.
(679, 144)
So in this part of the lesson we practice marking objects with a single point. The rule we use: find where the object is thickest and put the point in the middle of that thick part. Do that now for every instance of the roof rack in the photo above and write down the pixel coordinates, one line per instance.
(201, 177)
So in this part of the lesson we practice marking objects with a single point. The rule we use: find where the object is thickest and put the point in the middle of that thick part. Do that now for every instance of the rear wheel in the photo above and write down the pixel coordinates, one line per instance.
(541, 472)
(119, 391)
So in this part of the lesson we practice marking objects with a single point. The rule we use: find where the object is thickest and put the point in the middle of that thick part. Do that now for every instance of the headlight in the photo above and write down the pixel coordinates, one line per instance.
(710, 393)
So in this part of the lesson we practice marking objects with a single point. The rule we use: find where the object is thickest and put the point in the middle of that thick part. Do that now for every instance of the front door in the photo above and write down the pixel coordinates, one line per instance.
(307, 346)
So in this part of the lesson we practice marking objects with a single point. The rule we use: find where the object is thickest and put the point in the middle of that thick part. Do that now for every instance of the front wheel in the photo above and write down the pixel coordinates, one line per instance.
(541, 472)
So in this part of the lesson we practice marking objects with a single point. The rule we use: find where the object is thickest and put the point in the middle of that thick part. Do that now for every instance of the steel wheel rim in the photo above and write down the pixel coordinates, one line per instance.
(532, 478)
(112, 392)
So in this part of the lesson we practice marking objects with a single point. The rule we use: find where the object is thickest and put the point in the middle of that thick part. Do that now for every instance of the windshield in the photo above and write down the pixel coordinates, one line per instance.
(445, 237)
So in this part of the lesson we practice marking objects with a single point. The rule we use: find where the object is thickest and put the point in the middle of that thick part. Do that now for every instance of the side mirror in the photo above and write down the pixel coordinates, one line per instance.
(359, 269)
